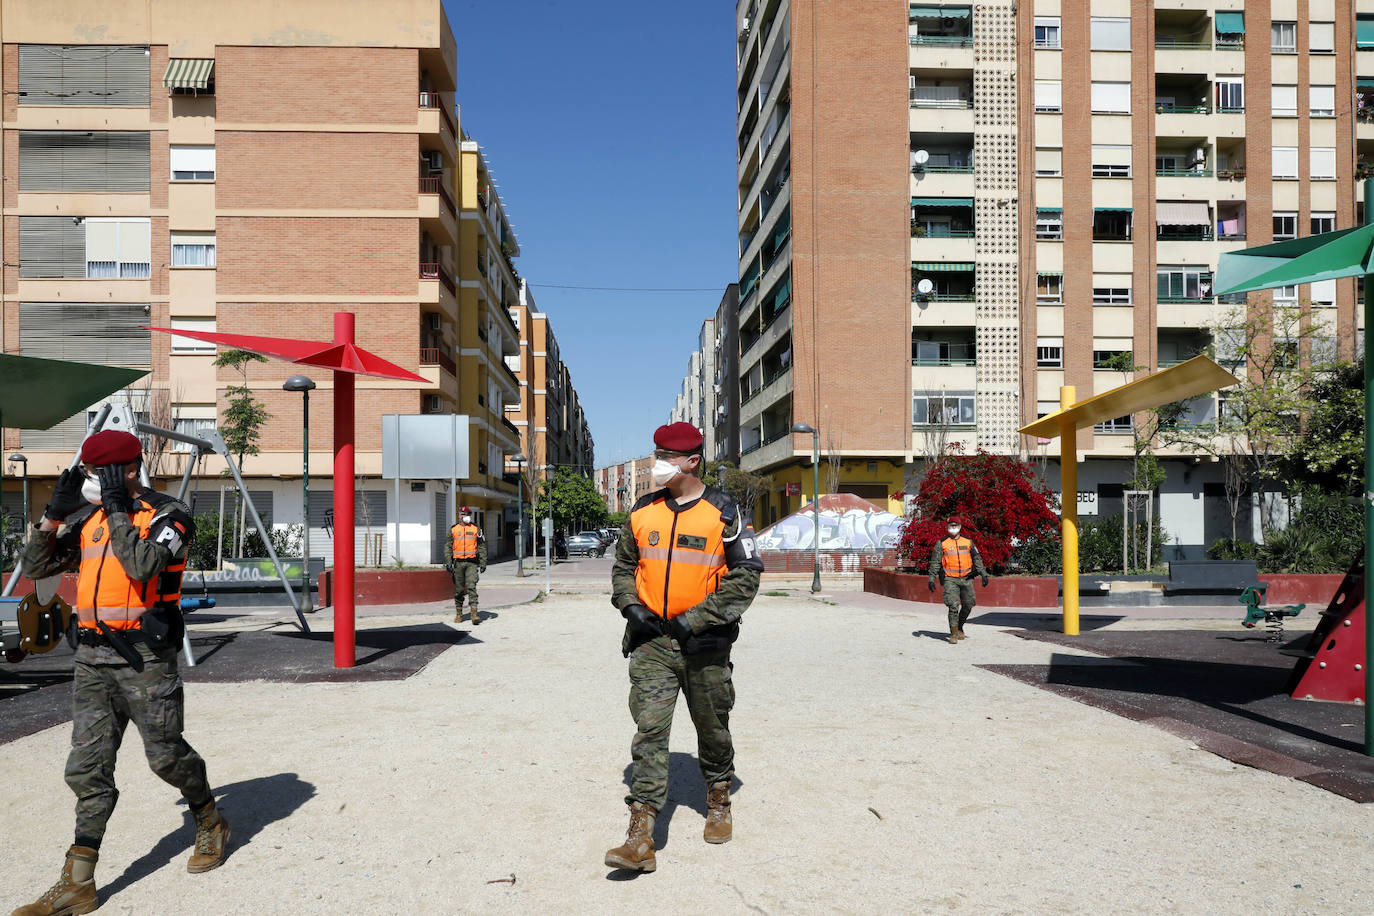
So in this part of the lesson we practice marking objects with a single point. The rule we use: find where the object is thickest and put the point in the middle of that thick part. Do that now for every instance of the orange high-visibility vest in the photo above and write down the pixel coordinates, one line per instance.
(681, 554)
(464, 541)
(105, 590)
(956, 557)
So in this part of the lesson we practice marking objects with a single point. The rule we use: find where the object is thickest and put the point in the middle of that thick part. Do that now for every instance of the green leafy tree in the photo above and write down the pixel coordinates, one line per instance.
(244, 415)
(1330, 453)
(576, 503)
(745, 488)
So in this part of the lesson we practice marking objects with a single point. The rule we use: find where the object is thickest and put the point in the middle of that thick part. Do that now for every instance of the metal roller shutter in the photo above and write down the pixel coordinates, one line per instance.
(107, 333)
(84, 75)
(369, 518)
(83, 160)
(51, 246)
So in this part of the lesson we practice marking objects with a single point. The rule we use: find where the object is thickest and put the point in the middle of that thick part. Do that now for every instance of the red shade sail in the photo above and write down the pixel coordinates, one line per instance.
(325, 354)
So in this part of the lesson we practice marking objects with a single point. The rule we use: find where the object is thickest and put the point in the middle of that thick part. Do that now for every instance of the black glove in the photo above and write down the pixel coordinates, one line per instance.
(642, 620)
(66, 496)
(680, 629)
(985, 580)
(483, 568)
(931, 583)
(114, 497)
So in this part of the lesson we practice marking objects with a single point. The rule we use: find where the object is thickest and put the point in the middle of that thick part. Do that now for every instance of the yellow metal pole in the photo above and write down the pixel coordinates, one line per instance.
(1068, 479)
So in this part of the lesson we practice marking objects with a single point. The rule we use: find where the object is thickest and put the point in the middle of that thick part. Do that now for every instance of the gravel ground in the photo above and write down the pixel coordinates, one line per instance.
(879, 771)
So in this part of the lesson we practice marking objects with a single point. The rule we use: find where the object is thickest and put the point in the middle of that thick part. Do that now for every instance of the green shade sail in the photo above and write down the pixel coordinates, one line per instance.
(1329, 256)
(942, 266)
(942, 201)
(40, 393)
(189, 73)
(1230, 23)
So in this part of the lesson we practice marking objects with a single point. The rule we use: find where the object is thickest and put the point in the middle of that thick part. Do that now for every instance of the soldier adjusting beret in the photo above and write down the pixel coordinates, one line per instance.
(678, 437)
(112, 446)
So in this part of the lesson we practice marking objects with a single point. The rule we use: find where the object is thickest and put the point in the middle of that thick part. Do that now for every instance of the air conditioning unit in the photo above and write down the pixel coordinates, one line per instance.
(434, 160)
(434, 403)
(434, 321)
(744, 29)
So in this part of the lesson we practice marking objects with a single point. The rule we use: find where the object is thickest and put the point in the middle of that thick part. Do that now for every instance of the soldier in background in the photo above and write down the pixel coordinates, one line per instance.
(955, 560)
(468, 563)
(129, 546)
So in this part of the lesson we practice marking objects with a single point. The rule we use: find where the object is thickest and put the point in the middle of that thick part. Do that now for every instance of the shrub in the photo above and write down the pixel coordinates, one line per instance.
(1232, 549)
(1042, 555)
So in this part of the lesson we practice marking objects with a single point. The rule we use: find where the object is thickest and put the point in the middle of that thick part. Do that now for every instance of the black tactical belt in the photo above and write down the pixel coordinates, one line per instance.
(93, 638)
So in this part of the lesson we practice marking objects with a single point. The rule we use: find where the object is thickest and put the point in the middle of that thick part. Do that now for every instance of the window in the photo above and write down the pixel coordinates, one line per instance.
(1112, 225)
(74, 160)
(190, 344)
(1111, 161)
(1284, 102)
(193, 426)
(1049, 224)
(1323, 350)
(1285, 162)
(1285, 297)
(1230, 95)
(84, 75)
(1049, 289)
(118, 248)
(1047, 32)
(1111, 295)
(1321, 37)
(1049, 352)
(1110, 34)
(193, 249)
(1283, 37)
(1323, 222)
(1323, 163)
(1323, 293)
(1120, 425)
(1364, 31)
(1048, 95)
(1049, 161)
(1285, 226)
(1045, 408)
(1285, 353)
(1110, 359)
(1184, 284)
(1111, 98)
(947, 409)
(1321, 101)
(193, 163)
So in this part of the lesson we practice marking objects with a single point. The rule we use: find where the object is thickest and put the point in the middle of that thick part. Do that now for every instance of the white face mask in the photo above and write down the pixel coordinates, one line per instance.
(954, 530)
(467, 520)
(663, 471)
(91, 490)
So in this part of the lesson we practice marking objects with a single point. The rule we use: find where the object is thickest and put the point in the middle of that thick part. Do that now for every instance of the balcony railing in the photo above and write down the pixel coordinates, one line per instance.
(435, 185)
(1183, 173)
(1231, 174)
(921, 232)
(960, 104)
(943, 169)
(1236, 43)
(945, 41)
(944, 297)
(433, 271)
(1184, 234)
(434, 356)
(1169, 108)
(1192, 43)
(432, 100)
(1185, 300)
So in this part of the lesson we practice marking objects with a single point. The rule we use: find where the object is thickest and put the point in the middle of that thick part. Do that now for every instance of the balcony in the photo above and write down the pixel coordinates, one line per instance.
(430, 101)
(435, 185)
(941, 41)
(431, 270)
(944, 349)
(434, 356)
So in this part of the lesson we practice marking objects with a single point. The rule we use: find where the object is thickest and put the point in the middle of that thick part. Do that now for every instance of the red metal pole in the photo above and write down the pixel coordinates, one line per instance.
(344, 653)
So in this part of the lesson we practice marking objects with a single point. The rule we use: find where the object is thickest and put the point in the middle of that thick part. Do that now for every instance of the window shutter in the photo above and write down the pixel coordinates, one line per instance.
(84, 75)
(1109, 34)
(1111, 154)
(1048, 93)
(1049, 160)
(83, 161)
(51, 246)
(90, 332)
(1111, 97)
(135, 242)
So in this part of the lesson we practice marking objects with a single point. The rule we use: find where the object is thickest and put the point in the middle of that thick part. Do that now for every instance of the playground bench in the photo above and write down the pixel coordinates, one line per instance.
(1198, 576)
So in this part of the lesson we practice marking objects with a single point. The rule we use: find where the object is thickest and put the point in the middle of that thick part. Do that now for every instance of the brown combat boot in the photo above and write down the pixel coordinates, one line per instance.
(962, 634)
(638, 852)
(718, 824)
(212, 840)
(473, 615)
(74, 893)
(953, 636)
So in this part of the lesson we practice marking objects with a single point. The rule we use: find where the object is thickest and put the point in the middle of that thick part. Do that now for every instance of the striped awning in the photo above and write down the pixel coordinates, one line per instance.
(942, 202)
(1230, 22)
(189, 73)
(942, 266)
(1183, 213)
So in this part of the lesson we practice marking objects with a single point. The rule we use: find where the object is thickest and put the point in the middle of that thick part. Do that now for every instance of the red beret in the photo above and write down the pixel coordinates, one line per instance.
(955, 520)
(113, 446)
(678, 437)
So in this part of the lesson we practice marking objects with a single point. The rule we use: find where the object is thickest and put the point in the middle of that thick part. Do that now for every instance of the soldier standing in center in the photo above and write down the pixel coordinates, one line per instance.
(469, 561)
(955, 560)
(685, 571)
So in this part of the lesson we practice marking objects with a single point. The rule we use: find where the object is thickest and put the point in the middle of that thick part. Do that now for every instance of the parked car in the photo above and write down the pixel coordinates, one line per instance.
(588, 543)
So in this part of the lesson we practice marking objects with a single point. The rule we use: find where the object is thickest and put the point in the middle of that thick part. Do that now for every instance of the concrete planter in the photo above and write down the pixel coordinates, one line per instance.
(1008, 591)
(1316, 591)
(391, 586)
(831, 561)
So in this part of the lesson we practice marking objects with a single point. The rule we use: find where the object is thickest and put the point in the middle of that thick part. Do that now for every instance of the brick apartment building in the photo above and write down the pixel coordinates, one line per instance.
(1023, 191)
(621, 485)
(195, 170)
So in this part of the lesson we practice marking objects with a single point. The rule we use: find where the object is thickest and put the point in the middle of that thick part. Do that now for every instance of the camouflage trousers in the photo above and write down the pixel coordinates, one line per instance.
(105, 699)
(657, 673)
(465, 583)
(959, 601)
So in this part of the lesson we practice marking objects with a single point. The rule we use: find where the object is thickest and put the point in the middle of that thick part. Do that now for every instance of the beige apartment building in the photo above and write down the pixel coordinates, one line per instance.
(249, 168)
(621, 485)
(1073, 171)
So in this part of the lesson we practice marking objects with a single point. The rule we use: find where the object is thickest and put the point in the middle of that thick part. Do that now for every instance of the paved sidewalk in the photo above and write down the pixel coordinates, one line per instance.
(880, 770)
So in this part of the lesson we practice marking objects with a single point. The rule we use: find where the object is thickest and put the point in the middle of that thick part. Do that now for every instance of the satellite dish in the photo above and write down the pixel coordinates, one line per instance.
(924, 286)
(920, 157)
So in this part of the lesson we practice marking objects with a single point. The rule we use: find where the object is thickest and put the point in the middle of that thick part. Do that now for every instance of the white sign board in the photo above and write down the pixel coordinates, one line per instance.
(424, 446)
(548, 527)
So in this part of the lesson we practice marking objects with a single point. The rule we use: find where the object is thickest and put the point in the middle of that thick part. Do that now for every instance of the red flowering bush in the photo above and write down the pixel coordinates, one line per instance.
(999, 500)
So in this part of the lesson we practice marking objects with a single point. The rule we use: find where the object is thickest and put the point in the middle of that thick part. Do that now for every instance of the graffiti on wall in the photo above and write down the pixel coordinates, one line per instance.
(848, 522)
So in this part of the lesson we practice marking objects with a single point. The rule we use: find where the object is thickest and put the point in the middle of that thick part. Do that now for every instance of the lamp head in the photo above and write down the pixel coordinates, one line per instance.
(298, 383)
(802, 428)
(17, 456)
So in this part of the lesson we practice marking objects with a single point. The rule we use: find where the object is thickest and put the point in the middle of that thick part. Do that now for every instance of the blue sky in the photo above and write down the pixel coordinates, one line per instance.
(609, 127)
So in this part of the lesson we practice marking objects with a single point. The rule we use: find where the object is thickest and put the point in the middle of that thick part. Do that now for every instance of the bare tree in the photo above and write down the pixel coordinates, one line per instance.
(834, 463)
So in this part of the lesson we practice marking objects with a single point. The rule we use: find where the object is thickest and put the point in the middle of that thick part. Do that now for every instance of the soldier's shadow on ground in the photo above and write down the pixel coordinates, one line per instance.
(249, 806)
(685, 787)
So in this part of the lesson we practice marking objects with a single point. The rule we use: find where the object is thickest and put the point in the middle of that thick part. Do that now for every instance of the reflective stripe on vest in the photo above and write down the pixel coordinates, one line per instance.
(957, 557)
(681, 555)
(464, 541)
(103, 586)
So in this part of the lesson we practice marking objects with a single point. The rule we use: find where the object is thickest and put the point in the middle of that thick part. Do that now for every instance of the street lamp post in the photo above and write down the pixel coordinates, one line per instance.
(304, 386)
(519, 460)
(816, 501)
(23, 462)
